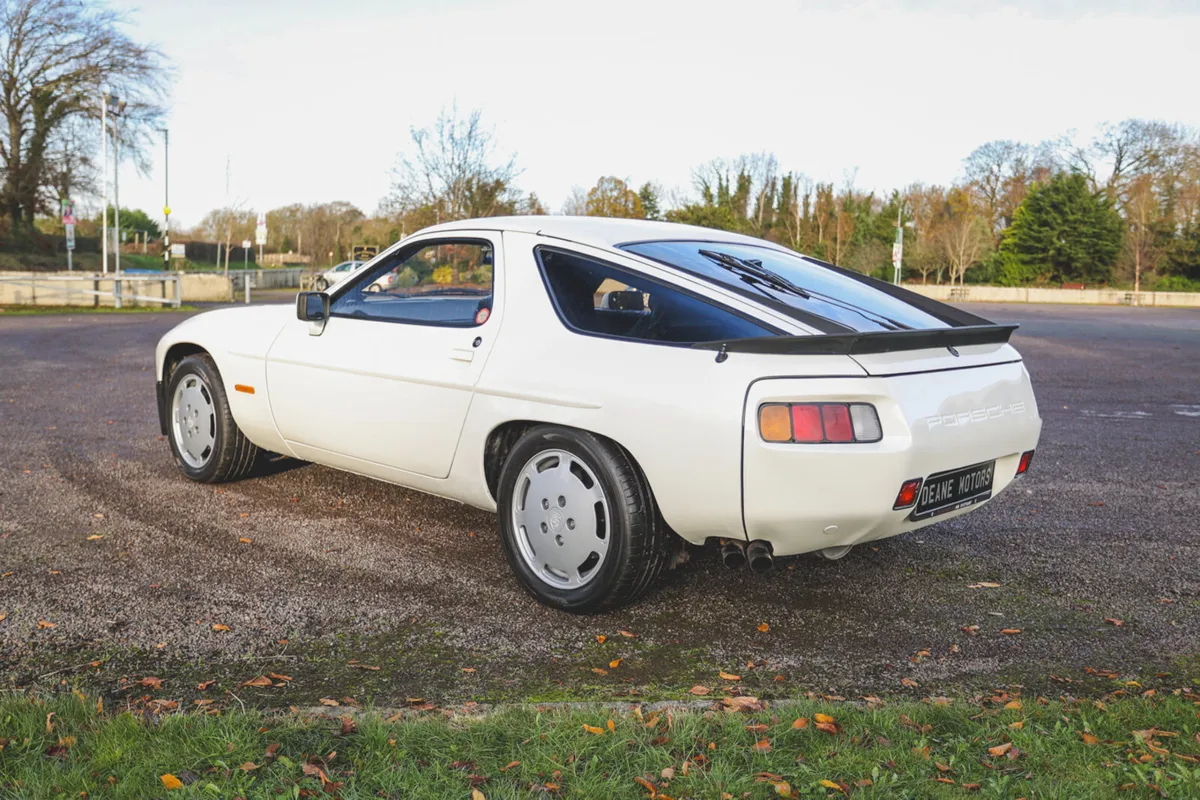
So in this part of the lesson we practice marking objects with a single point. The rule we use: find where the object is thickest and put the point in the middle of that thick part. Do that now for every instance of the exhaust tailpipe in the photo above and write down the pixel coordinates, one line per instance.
(733, 554)
(758, 553)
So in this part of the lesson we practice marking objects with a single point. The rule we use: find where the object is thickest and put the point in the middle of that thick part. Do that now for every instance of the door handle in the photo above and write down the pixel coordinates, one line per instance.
(462, 355)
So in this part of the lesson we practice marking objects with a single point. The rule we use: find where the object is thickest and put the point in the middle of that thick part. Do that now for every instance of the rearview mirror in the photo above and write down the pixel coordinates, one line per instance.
(313, 308)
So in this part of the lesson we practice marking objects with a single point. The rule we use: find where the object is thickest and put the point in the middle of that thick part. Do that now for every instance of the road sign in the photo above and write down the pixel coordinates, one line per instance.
(260, 231)
(70, 235)
(68, 212)
(178, 251)
(363, 252)
(246, 244)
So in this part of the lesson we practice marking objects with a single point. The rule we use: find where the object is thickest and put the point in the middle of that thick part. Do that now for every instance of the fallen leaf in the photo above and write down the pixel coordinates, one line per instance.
(700, 691)
(366, 667)
(909, 682)
(601, 638)
(469, 670)
(151, 682)
(970, 630)
(942, 767)
(725, 676)
(1013, 705)
(249, 766)
(762, 746)
(170, 782)
(801, 722)
(328, 701)
(627, 634)
(832, 728)
(763, 627)
(742, 703)
(244, 540)
(1000, 749)
(599, 671)
(1089, 738)
(822, 718)
(1011, 631)
(275, 676)
(219, 628)
(983, 585)
(831, 785)
(612, 726)
(261, 680)
(43, 625)
(647, 785)
(510, 765)
(1114, 621)
(616, 662)
(668, 774)
(203, 685)
(592, 729)
(1017, 725)
(349, 726)
(477, 795)
(95, 537)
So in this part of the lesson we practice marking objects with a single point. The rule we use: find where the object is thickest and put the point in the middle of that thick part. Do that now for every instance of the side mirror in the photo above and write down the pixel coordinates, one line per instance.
(313, 308)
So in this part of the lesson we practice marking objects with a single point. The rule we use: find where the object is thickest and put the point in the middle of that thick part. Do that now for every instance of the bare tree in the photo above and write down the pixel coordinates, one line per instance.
(454, 170)
(964, 234)
(56, 57)
(576, 203)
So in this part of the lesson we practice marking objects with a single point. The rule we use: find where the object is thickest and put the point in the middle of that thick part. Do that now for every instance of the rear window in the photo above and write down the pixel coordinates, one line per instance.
(596, 298)
(810, 292)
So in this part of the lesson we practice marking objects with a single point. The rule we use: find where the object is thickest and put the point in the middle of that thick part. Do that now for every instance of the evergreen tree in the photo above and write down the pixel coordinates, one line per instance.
(1061, 232)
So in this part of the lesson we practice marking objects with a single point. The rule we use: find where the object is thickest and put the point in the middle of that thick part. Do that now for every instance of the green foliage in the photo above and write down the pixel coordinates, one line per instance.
(1062, 232)
(134, 219)
(902, 749)
(648, 194)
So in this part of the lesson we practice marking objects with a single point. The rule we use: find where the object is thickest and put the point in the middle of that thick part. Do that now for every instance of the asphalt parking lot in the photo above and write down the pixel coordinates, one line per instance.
(116, 568)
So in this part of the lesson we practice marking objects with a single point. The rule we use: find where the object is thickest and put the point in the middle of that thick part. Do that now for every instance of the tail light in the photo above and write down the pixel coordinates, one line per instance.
(819, 423)
(1023, 464)
(907, 495)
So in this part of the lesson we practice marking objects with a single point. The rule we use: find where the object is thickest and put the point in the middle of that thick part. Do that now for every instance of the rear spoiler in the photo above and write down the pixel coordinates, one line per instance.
(851, 344)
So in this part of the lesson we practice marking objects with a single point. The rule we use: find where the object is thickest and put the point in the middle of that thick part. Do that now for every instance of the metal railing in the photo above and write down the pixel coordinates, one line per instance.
(49, 290)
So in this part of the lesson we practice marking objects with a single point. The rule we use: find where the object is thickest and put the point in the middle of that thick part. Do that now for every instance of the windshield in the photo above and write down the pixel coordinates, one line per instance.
(807, 290)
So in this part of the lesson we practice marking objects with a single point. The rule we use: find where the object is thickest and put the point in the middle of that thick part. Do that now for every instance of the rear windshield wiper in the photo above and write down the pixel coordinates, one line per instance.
(754, 269)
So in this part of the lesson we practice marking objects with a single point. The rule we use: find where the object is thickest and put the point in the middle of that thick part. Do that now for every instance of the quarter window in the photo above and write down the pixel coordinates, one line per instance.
(447, 282)
(596, 298)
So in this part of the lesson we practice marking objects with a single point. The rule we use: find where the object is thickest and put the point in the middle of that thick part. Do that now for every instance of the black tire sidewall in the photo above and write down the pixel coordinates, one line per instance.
(206, 370)
(600, 459)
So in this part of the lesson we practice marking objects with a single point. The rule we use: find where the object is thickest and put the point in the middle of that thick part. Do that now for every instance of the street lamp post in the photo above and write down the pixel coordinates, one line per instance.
(166, 198)
(111, 104)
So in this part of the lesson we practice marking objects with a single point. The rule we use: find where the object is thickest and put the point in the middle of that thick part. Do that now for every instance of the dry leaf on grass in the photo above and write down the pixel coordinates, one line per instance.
(592, 729)
(170, 782)
(725, 676)
(801, 722)
(1000, 749)
(1089, 738)
(700, 691)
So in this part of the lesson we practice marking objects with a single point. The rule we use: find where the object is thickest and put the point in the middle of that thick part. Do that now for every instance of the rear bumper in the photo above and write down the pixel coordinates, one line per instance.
(803, 498)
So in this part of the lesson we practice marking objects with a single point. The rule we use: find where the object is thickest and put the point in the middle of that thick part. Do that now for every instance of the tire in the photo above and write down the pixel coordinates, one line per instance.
(322, 284)
(624, 522)
(212, 453)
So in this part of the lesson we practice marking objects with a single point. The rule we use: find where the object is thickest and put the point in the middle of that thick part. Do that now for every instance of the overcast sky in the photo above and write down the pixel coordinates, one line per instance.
(312, 101)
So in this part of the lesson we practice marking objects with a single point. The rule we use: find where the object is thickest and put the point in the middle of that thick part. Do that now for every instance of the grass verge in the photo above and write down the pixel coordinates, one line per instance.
(999, 746)
(23, 310)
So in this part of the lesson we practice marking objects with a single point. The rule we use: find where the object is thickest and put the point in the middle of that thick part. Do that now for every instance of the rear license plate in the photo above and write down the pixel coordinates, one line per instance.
(955, 489)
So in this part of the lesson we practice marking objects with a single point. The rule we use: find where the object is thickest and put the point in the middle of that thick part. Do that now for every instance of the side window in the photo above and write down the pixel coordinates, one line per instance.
(596, 298)
(447, 282)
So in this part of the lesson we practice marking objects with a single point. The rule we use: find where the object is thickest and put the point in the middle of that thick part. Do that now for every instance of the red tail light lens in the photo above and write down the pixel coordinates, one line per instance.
(1023, 464)
(908, 494)
(837, 423)
(806, 424)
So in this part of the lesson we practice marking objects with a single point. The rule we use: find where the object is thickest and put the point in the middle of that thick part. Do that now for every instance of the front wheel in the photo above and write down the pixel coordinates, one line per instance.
(207, 444)
(578, 522)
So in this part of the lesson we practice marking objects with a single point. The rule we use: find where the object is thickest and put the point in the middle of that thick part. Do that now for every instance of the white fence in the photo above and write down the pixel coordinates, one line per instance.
(74, 290)
(1020, 294)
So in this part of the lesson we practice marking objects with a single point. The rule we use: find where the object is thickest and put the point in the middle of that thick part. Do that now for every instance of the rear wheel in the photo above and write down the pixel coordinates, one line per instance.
(322, 284)
(207, 444)
(578, 522)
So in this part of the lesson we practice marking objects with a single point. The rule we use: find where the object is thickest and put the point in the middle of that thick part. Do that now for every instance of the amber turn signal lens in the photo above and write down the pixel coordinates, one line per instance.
(775, 423)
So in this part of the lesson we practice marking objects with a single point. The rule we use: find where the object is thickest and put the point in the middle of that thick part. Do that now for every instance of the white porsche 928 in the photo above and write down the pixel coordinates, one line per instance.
(613, 389)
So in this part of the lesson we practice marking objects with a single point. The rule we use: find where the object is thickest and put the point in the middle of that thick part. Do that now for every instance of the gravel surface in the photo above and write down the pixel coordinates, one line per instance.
(321, 575)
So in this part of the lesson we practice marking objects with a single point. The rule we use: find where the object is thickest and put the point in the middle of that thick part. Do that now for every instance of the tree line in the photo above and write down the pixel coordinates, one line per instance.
(1122, 207)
